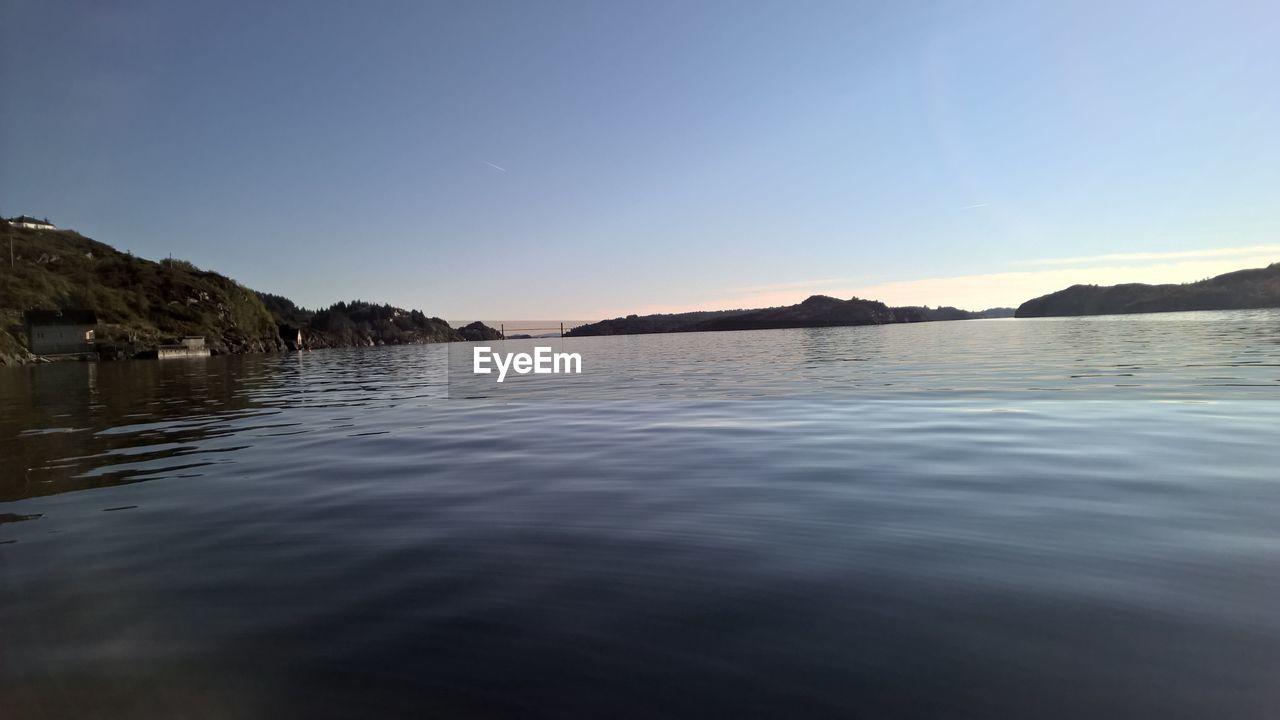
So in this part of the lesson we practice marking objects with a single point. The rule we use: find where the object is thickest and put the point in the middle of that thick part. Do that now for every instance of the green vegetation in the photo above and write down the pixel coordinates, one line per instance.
(141, 303)
(479, 332)
(362, 323)
(285, 311)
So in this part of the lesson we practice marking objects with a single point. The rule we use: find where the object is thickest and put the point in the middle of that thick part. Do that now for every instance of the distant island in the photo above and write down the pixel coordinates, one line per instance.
(816, 311)
(1239, 290)
(137, 305)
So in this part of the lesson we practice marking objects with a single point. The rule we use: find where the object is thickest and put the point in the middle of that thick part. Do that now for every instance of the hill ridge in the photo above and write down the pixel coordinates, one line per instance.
(813, 311)
(1236, 290)
(142, 303)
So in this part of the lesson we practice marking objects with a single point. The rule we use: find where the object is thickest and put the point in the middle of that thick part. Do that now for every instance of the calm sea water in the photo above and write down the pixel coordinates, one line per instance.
(1050, 518)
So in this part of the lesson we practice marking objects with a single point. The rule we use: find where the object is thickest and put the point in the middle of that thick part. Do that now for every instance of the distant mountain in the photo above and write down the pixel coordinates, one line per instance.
(1000, 312)
(816, 311)
(1242, 289)
(647, 324)
(140, 303)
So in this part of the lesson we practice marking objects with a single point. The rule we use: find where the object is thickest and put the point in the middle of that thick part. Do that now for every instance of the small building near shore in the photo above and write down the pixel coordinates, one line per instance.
(191, 346)
(61, 332)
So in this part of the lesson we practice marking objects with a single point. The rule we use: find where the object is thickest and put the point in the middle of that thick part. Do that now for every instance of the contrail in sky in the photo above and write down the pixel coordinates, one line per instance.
(495, 167)
(975, 205)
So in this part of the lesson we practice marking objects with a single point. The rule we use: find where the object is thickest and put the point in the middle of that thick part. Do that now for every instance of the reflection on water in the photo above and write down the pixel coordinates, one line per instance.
(1055, 518)
(71, 426)
(79, 425)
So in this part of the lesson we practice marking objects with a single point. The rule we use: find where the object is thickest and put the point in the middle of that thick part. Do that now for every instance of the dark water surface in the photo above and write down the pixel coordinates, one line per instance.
(1055, 518)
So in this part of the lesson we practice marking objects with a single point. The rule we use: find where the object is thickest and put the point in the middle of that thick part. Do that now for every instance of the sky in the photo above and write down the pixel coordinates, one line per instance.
(581, 160)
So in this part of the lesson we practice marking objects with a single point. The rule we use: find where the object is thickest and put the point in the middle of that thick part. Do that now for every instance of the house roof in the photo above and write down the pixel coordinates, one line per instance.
(29, 219)
(62, 317)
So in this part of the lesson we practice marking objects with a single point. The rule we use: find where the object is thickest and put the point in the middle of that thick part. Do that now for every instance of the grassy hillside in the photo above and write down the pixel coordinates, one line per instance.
(140, 303)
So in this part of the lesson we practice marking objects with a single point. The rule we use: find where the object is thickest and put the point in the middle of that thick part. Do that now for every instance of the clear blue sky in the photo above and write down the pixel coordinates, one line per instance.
(572, 159)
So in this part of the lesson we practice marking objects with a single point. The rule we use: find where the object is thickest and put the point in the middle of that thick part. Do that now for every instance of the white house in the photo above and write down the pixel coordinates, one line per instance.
(24, 221)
